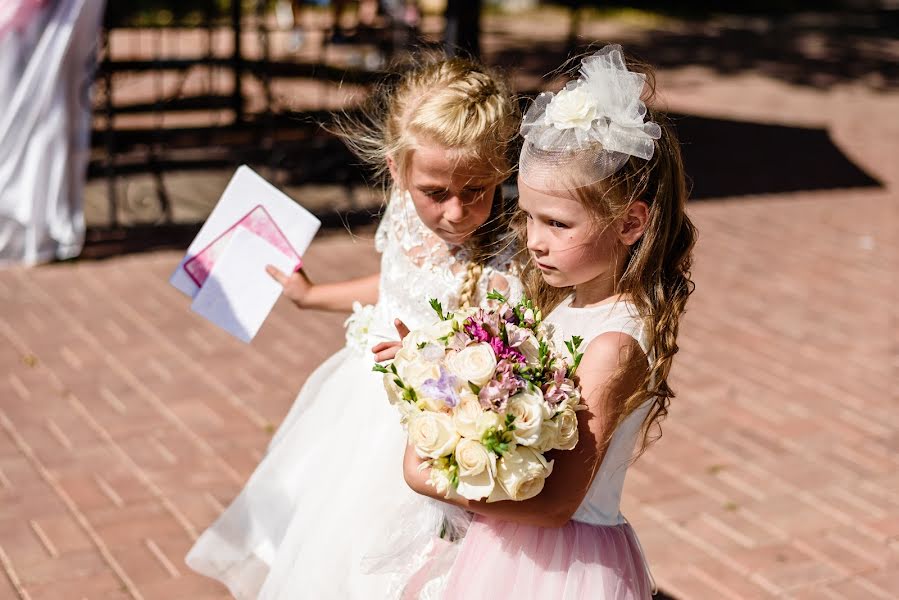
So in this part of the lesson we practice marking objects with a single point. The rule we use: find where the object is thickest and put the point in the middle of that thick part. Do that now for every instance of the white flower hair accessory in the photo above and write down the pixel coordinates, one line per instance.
(589, 128)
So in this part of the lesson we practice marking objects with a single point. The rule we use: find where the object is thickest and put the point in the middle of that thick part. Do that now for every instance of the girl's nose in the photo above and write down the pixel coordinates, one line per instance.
(454, 210)
(535, 243)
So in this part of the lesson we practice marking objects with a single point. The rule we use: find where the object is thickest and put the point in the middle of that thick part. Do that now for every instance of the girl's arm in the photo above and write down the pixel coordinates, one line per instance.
(338, 297)
(608, 376)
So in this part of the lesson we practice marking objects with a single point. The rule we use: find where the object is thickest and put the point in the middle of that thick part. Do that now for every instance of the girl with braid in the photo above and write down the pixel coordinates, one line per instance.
(311, 521)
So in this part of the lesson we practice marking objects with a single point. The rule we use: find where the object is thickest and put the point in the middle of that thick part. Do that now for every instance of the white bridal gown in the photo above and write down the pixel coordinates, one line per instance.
(47, 60)
(327, 514)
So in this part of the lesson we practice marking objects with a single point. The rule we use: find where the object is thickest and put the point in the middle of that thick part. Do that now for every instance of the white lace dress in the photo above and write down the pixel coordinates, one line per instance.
(319, 517)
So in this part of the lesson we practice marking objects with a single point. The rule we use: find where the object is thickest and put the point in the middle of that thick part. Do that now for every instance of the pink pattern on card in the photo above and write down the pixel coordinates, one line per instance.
(258, 221)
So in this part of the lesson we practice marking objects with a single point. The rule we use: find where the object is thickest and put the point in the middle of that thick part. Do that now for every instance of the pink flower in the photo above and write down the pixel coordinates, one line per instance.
(503, 351)
(505, 383)
(476, 330)
(559, 389)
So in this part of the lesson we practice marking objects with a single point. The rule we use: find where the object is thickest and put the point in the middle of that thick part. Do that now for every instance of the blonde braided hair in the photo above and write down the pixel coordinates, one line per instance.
(468, 293)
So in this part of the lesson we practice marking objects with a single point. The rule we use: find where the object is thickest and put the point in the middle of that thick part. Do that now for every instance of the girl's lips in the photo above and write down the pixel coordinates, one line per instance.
(544, 267)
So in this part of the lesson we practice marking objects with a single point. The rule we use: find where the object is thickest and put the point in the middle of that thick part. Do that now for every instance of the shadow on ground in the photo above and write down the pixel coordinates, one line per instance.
(816, 49)
(724, 159)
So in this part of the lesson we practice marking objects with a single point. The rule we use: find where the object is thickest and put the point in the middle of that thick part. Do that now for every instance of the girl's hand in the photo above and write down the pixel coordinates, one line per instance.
(296, 287)
(388, 350)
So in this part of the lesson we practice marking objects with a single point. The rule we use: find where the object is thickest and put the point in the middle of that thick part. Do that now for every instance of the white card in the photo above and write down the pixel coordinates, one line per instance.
(246, 190)
(238, 294)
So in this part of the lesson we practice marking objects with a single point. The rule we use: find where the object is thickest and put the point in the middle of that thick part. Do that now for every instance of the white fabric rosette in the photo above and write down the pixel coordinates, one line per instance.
(587, 131)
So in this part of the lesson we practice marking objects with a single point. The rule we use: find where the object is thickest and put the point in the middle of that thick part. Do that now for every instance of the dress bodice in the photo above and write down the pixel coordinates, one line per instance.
(601, 505)
(416, 266)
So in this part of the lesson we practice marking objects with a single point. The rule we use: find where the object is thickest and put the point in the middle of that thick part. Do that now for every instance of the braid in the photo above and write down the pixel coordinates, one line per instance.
(467, 295)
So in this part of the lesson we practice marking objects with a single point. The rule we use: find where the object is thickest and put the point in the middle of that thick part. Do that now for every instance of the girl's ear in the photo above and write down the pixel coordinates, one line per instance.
(394, 174)
(632, 225)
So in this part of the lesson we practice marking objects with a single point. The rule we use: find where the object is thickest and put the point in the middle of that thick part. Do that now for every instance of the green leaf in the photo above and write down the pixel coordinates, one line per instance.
(438, 308)
(380, 369)
(495, 295)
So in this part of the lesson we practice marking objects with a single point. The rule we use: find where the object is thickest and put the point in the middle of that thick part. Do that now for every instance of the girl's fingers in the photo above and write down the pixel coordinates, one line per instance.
(382, 346)
(276, 274)
(387, 354)
(401, 328)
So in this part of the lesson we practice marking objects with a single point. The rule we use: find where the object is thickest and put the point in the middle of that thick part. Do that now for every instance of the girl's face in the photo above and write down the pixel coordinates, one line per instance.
(452, 198)
(565, 243)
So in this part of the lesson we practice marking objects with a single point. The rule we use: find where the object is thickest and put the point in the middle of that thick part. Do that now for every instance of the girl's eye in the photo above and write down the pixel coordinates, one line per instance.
(557, 224)
(435, 194)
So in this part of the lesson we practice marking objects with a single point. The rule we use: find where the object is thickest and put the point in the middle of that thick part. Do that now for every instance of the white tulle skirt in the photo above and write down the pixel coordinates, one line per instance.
(327, 514)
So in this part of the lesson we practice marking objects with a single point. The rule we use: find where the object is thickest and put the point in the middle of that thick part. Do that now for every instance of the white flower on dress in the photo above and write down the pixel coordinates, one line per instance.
(358, 326)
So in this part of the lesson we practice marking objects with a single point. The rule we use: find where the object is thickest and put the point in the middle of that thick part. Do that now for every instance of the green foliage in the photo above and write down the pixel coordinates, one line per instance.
(438, 308)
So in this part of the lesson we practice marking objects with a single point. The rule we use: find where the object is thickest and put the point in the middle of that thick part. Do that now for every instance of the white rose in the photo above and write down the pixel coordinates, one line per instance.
(486, 420)
(466, 414)
(473, 458)
(430, 403)
(521, 473)
(477, 469)
(416, 338)
(474, 363)
(414, 370)
(476, 487)
(572, 108)
(529, 410)
(549, 436)
(566, 421)
(440, 329)
(432, 434)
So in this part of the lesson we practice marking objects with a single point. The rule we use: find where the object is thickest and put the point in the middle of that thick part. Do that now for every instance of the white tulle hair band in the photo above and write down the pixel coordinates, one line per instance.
(586, 132)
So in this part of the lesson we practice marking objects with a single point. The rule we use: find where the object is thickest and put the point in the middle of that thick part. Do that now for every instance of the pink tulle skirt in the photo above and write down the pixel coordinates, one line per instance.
(501, 559)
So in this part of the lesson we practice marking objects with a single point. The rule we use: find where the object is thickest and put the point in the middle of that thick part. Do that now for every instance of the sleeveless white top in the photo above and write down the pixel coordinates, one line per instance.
(601, 505)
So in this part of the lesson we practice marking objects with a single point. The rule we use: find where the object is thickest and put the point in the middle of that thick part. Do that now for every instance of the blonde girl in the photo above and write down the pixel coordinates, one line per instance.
(318, 504)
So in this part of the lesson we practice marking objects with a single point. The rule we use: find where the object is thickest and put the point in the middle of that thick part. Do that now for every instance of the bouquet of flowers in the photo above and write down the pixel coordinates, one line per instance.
(484, 394)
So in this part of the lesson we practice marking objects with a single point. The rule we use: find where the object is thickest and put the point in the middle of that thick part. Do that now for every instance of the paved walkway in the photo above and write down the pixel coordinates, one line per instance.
(127, 423)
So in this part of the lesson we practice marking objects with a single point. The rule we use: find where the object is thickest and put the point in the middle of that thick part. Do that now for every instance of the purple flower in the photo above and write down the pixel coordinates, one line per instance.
(443, 388)
(507, 314)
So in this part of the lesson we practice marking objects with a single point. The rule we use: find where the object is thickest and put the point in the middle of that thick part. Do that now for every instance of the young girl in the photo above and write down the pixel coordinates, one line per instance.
(317, 505)
(602, 190)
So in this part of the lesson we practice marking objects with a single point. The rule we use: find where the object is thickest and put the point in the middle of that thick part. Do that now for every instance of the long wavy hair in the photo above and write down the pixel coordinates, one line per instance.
(456, 103)
(656, 275)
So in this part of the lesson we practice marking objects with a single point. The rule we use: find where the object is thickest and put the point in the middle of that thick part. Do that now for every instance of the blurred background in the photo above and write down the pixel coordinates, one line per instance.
(185, 91)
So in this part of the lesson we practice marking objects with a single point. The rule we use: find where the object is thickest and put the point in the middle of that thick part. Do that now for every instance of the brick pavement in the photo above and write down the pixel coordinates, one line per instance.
(127, 423)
